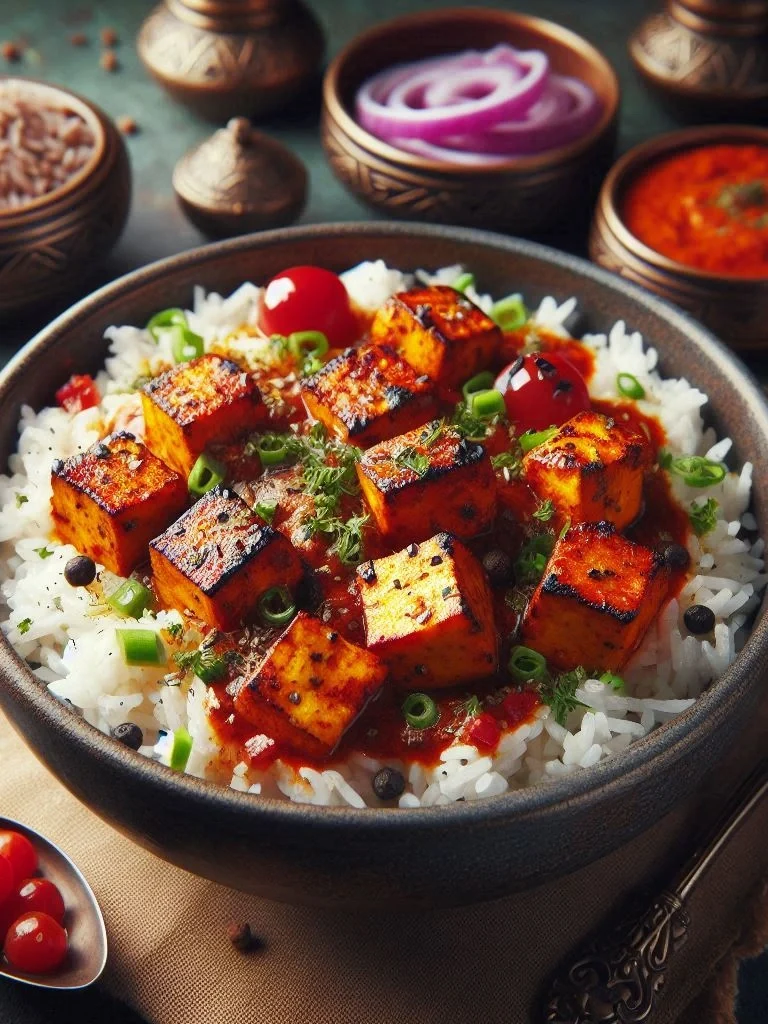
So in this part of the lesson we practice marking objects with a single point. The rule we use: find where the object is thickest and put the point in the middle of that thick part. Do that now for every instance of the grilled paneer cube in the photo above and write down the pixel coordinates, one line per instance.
(598, 595)
(428, 612)
(366, 395)
(219, 558)
(284, 491)
(311, 687)
(439, 332)
(428, 480)
(110, 501)
(592, 470)
(210, 399)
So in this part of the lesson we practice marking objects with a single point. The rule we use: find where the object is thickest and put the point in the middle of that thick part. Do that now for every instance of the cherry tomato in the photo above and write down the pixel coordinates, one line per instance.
(40, 894)
(483, 731)
(80, 392)
(308, 299)
(7, 880)
(35, 943)
(20, 852)
(542, 390)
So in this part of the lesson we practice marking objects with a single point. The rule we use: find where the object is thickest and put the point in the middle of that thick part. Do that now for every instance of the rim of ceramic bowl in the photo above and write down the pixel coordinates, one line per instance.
(550, 31)
(609, 779)
(646, 154)
(94, 119)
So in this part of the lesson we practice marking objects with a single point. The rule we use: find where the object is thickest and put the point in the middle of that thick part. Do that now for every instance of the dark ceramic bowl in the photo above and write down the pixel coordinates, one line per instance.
(524, 195)
(386, 857)
(735, 308)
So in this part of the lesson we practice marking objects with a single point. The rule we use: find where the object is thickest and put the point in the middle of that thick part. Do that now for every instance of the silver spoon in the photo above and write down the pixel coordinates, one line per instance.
(87, 953)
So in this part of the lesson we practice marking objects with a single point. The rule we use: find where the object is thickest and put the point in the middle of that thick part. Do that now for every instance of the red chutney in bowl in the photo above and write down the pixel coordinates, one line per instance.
(705, 207)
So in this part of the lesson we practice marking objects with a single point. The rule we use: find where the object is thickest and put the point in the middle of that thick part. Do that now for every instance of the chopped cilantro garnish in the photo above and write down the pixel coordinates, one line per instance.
(408, 458)
(23, 626)
(559, 692)
(703, 517)
(472, 706)
(175, 630)
(43, 552)
(470, 425)
(205, 663)
(507, 460)
(21, 499)
(544, 511)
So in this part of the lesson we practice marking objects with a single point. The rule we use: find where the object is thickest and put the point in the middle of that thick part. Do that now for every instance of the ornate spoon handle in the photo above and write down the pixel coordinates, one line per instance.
(616, 978)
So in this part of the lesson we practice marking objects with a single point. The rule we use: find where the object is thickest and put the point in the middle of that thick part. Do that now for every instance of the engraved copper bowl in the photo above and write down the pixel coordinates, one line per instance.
(49, 244)
(524, 195)
(734, 308)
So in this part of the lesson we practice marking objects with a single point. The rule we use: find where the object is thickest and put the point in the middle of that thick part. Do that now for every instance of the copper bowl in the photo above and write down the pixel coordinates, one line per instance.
(735, 308)
(384, 857)
(523, 195)
(49, 244)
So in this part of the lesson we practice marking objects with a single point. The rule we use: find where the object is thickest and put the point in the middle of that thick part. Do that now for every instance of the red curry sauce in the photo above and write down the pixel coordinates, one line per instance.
(706, 208)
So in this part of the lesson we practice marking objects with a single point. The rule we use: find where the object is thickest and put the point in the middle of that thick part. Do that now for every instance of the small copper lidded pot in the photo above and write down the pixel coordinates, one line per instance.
(225, 58)
(734, 307)
(65, 192)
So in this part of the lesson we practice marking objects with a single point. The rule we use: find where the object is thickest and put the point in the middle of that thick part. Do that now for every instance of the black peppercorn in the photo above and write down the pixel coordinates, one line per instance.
(676, 556)
(699, 619)
(128, 734)
(80, 571)
(388, 783)
(498, 566)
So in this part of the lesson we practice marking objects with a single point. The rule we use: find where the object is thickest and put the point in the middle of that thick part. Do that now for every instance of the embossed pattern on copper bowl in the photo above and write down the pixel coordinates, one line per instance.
(735, 308)
(451, 854)
(49, 244)
(523, 195)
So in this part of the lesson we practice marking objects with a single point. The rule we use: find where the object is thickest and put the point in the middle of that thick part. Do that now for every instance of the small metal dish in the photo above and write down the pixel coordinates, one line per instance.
(523, 195)
(48, 245)
(735, 308)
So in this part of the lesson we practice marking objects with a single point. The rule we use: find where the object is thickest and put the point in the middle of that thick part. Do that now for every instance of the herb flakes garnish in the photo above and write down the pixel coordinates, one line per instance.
(559, 692)
(43, 552)
(544, 511)
(205, 663)
(409, 458)
(23, 626)
(21, 499)
(703, 517)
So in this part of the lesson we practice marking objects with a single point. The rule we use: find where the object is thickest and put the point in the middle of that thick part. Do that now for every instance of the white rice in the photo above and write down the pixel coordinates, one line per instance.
(69, 635)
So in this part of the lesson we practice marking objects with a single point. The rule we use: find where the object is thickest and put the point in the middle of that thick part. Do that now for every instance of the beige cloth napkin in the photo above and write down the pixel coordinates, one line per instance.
(171, 960)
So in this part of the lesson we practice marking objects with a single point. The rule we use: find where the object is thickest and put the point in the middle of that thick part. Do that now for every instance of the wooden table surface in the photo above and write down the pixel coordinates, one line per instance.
(157, 228)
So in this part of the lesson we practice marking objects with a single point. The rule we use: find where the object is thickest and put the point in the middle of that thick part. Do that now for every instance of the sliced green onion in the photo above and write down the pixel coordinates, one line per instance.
(266, 509)
(533, 438)
(629, 386)
(130, 599)
(276, 606)
(611, 679)
(532, 560)
(271, 449)
(166, 318)
(487, 404)
(510, 313)
(308, 343)
(480, 382)
(185, 344)
(181, 749)
(420, 711)
(141, 647)
(206, 474)
(463, 282)
(526, 665)
(695, 470)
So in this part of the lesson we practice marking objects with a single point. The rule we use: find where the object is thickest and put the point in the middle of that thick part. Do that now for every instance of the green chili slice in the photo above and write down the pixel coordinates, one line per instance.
(271, 449)
(420, 711)
(629, 386)
(533, 438)
(487, 404)
(131, 599)
(206, 474)
(181, 749)
(480, 382)
(185, 344)
(166, 318)
(526, 665)
(276, 606)
(510, 314)
(141, 647)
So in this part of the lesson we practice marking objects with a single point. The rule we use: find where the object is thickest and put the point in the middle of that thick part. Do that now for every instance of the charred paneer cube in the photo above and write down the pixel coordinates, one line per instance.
(439, 332)
(111, 500)
(366, 395)
(192, 405)
(598, 595)
(428, 613)
(311, 687)
(592, 470)
(428, 480)
(219, 558)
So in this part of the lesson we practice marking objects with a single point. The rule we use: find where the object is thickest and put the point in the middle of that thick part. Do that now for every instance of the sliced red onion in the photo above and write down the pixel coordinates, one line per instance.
(387, 103)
